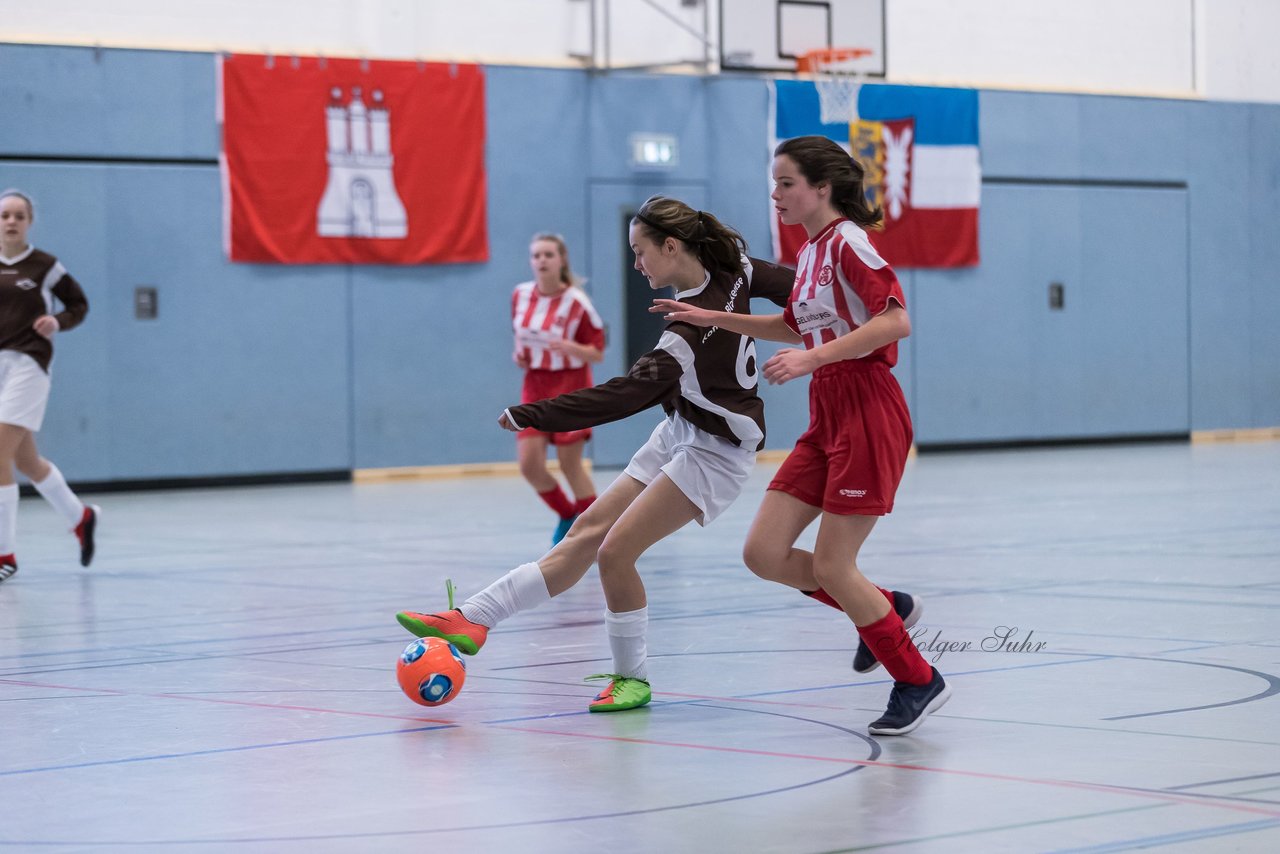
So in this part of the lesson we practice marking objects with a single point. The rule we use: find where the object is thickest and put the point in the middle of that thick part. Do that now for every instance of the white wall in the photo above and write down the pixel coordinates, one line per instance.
(1239, 40)
(1084, 45)
(1220, 49)
(539, 32)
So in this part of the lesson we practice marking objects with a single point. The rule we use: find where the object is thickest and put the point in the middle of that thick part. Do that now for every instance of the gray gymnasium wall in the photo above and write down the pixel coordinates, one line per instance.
(1159, 218)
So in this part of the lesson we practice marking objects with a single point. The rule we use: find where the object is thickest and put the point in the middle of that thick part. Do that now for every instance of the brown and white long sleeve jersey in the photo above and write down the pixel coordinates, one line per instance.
(708, 376)
(28, 285)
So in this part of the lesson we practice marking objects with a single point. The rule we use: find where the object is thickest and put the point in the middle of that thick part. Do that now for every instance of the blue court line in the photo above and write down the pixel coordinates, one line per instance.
(1227, 780)
(213, 751)
(1273, 687)
(1202, 647)
(175, 659)
(1172, 838)
(996, 829)
(1000, 828)
(1194, 585)
(1273, 682)
(1110, 597)
(1207, 796)
(1111, 730)
(1078, 658)
(392, 834)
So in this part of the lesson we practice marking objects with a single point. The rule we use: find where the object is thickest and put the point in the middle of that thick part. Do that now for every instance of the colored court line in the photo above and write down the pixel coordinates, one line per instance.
(1273, 682)
(213, 752)
(1112, 730)
(1150, 600)
(700, 697)
(1273, 686)
(391, 834)
(996, 829)
(1227, 780)
(874, 751)
(1173, 838)
(916, 840)
(984, 775)
(198, 699)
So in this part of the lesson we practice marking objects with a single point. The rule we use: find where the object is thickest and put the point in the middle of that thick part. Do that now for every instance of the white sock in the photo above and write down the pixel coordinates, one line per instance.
(55, 490)
(8, 518)
(627, 632)
(521, 589)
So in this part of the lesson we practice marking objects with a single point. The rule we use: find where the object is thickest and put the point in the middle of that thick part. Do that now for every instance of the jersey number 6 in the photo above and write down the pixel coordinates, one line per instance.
(745, 367)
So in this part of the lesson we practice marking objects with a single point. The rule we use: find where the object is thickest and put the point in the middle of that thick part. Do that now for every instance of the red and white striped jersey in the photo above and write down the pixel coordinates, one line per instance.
(707, 376)
(841, 283)
(538, 320)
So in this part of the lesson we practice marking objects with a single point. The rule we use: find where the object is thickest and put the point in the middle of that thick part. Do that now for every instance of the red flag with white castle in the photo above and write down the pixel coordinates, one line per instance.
(346, 161)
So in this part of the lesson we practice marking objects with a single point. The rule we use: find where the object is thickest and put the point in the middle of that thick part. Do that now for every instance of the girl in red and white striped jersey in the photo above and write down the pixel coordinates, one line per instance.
(30, 281)
(848, 310)
(558, 336)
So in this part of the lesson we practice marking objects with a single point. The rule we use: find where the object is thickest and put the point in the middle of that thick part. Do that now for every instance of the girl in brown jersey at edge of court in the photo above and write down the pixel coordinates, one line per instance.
(29, 281)
(848, 310)
(558, 336)
(692, 467)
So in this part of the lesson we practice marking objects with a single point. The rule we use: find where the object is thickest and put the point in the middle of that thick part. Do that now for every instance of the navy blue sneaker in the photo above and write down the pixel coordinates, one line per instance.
(910, 704)
(562, 528)
(909, 608)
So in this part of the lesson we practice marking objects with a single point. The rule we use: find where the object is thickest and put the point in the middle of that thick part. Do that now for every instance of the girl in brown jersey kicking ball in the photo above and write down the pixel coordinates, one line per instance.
(692, 468)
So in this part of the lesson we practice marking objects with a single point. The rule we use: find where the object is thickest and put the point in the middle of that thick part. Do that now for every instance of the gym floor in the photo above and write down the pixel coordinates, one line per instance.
(222, 678)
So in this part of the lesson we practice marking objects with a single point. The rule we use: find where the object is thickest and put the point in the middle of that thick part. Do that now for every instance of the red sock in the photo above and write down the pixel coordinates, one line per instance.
(558, 502)
(889, 640)
(825, 598)
(583, 503)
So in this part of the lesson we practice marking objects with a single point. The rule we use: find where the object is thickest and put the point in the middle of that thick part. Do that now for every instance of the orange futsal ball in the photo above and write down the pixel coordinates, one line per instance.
(431, 671)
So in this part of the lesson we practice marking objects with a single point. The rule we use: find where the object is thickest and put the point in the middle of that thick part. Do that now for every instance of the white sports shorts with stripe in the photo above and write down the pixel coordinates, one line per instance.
(24, 390)
(709, 470)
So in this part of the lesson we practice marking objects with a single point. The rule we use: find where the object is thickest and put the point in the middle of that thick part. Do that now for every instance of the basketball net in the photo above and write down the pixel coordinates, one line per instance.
(837, 80)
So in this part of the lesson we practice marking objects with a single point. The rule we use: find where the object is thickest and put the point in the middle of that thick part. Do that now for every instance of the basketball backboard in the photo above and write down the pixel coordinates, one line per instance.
(768, 35)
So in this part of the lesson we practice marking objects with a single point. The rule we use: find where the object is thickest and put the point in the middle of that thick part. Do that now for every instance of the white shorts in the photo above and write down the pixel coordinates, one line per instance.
(24, 390)
(709, 470)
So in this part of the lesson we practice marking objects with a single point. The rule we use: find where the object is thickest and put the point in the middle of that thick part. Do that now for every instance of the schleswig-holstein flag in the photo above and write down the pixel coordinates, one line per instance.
(919, 146)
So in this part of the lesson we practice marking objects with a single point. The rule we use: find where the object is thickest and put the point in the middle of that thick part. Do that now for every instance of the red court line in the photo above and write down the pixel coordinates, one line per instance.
(1067, 784)
(1204, 801)
(195, 699)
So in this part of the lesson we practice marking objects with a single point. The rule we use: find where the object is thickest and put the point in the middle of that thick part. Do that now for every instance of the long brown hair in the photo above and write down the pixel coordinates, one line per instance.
(823, 161)
(717, 246)
(566, 274)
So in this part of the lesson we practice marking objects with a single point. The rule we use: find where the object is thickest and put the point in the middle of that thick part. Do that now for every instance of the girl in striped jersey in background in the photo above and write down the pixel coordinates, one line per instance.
(558, 337)
(848, 310)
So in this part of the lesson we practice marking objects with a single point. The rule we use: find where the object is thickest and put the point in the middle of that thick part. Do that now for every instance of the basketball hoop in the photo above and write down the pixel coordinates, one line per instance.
(837, 79)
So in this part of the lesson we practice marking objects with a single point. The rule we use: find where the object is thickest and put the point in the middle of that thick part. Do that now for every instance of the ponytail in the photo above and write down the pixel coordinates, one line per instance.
(823, 161)
(719, 248)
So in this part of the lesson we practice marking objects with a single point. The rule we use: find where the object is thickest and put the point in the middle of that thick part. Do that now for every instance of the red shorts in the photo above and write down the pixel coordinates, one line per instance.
(851, 458)
(541, 385)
